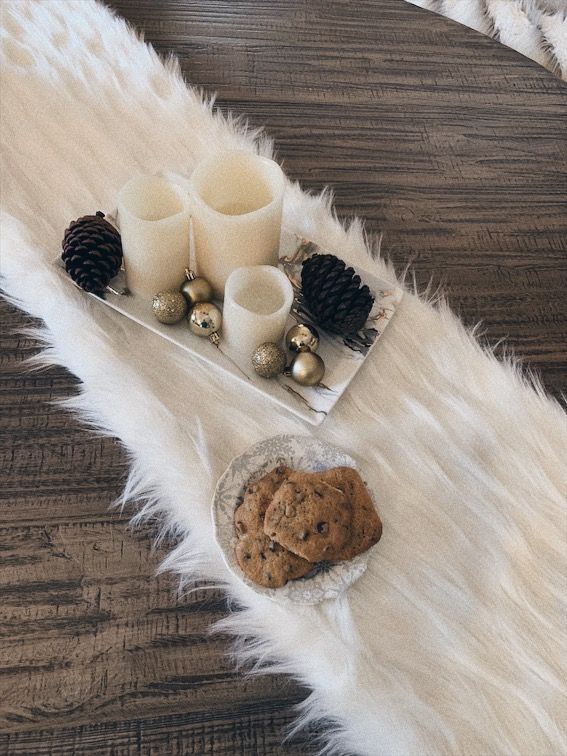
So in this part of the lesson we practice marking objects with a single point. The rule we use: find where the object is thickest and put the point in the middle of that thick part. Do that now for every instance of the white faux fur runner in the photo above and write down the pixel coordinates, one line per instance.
(535, 28)
(454, 640)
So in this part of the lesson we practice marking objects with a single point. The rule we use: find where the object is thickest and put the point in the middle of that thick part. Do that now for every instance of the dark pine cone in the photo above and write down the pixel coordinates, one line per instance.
(334, 296)
(92, 252)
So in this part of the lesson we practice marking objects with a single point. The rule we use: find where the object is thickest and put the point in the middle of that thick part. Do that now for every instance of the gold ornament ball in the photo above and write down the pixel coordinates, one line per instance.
(302, 338)
(169, 307)
(205, 319)
(196, 289)
(268, 360)
(307, 369)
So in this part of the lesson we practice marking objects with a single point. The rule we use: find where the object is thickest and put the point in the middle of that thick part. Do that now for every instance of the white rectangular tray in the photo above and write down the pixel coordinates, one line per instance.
(343, 357)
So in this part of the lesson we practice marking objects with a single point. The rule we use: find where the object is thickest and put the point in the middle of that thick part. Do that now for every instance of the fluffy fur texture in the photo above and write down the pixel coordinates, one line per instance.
(535, 28)
(453, 641)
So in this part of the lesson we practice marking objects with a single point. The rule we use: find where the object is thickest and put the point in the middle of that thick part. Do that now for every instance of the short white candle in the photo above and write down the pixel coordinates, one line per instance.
(257, 301)
(153, 215)
(236, 203)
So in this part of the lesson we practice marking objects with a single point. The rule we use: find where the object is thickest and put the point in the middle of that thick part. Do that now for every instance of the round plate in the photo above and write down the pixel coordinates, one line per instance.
(328, 579)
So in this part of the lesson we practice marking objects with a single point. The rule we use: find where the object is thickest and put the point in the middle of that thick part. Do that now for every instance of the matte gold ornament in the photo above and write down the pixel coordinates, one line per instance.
(169, 307)
(196, 289)
(269, 359)
(205, 319)
(302, 338)
(307, 369)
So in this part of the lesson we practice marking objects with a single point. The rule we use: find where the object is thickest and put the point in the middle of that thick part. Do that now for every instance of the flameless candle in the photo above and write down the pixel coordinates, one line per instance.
(236, 206)
(257, 301)
(153, 215)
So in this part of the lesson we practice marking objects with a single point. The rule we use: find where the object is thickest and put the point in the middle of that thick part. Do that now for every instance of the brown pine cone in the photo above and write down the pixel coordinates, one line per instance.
(334, 295)
(92, 252)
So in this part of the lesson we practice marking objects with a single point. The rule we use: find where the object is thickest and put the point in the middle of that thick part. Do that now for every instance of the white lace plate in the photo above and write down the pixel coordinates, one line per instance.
(328, 579)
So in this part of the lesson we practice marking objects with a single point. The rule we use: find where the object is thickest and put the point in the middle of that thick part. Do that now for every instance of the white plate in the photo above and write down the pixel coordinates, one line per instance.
(343, 357)
(329, 579)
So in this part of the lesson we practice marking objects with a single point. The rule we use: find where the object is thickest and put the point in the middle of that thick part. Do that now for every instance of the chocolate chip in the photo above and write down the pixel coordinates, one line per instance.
(272, 546)
(302, 535)
(262, 555)
(240, 527)
(290, 511)
(323, 527)
(247, 556)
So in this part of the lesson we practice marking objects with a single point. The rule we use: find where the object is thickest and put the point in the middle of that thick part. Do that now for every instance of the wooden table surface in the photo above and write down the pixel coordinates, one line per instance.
(451, 145)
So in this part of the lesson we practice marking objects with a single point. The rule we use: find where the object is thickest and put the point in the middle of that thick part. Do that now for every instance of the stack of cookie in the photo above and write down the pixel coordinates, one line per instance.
(288, 521)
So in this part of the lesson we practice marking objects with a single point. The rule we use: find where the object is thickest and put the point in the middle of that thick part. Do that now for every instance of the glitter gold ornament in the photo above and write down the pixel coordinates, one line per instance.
(269, 359)
(205, 319)
(196, 289)
(302, 338)
(307, 369)
(169, 307)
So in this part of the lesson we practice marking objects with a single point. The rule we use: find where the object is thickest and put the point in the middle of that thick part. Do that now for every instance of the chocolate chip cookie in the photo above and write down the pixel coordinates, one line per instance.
(366, 526)
(309, 517)
(267, 563)
(249, 516)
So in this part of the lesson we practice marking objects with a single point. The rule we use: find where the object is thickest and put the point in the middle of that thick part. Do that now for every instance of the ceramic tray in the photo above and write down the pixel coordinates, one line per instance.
(343, 356)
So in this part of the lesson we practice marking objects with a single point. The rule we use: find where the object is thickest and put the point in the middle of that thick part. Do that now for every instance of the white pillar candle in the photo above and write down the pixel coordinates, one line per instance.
(257, 301)
(153, 215)
(236, 203)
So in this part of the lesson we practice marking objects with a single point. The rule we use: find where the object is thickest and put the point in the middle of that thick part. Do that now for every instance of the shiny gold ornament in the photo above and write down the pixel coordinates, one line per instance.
(302, 338)
(269, 360)
(196, 289)
(307, 369)
(205, 319)
(169, 307)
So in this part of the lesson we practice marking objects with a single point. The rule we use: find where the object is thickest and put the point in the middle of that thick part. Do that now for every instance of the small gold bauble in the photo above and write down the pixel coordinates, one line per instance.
(169, 307)
(307, 369)
(269, 360)
(205, 319)
(196, 289)
(302, 338)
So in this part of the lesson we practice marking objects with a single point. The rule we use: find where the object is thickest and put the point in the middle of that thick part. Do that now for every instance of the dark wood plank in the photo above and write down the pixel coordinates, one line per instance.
(451, 145)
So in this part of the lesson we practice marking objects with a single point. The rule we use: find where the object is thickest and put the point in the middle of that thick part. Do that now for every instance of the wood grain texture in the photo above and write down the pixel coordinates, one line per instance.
(451, 145)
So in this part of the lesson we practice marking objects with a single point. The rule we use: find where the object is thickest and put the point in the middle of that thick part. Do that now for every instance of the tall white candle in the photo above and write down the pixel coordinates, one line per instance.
(236, 204)
(153, 215)
(257, 301)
